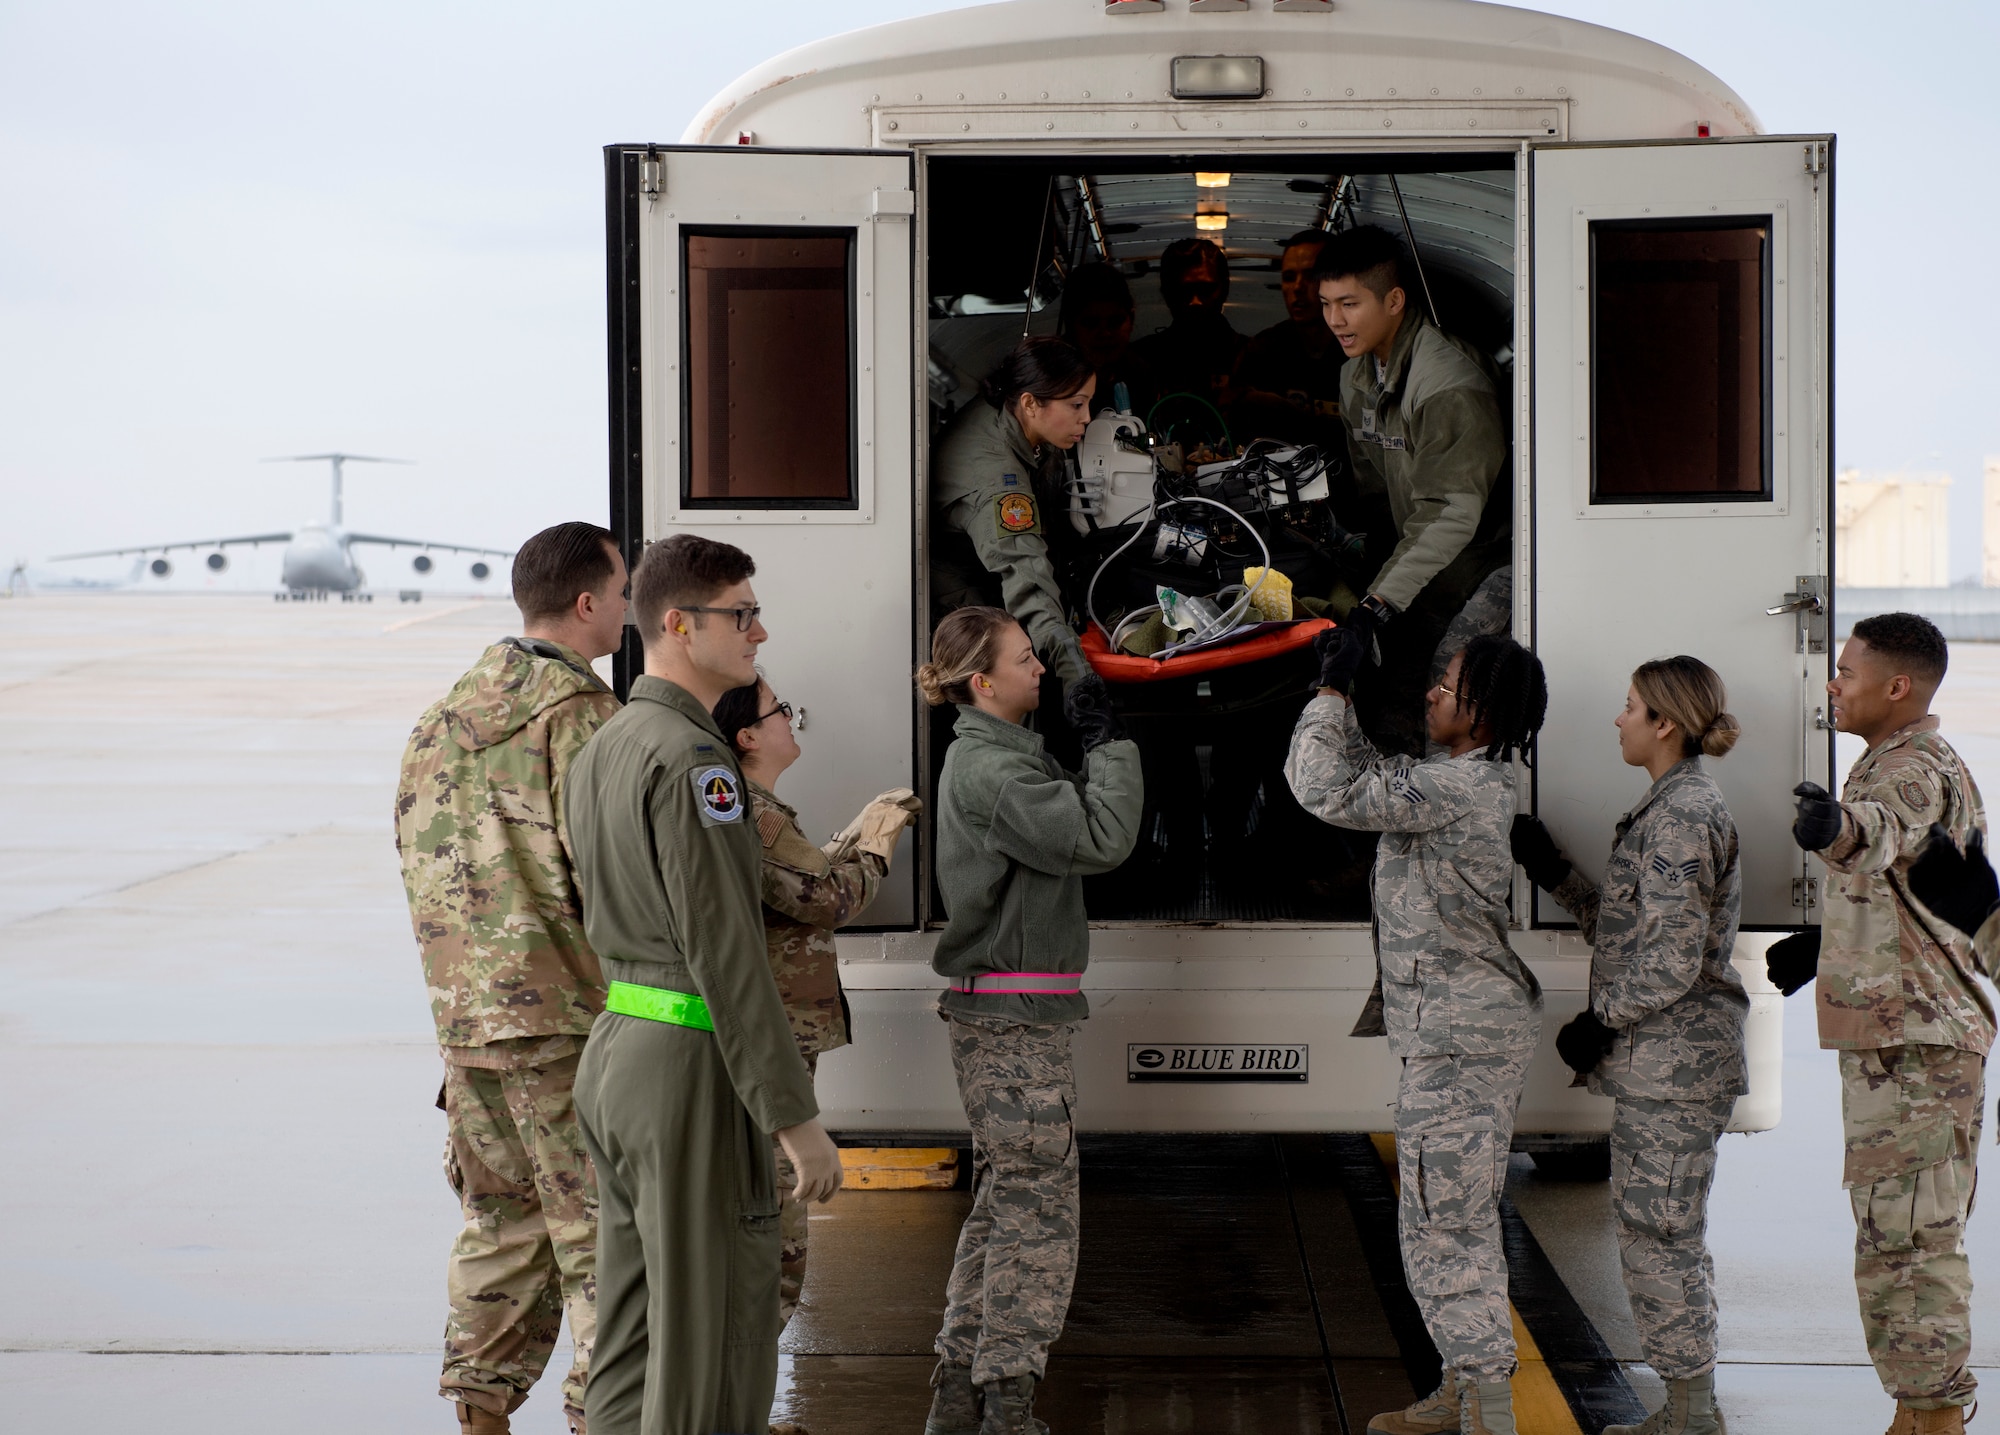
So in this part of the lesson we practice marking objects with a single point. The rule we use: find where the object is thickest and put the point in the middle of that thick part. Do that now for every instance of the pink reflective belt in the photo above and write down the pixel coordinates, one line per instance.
(1036, 984)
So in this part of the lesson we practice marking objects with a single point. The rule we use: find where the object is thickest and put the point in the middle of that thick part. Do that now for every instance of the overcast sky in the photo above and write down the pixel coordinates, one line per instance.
(232, 230)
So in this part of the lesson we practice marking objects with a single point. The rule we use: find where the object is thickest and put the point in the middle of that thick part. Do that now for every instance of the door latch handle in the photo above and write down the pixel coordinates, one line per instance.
(1806, 603)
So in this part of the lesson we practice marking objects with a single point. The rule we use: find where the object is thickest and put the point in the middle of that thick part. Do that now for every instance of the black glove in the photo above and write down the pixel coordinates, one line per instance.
(1793, 961)
(1537, 852)
(1818, 822)
(1341, 652)
(1960, 889)
(1364, 620)
(1584, 1043)
(1087, 705)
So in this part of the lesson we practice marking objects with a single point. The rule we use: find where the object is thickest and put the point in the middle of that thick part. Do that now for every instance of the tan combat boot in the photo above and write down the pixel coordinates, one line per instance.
(1690, 1410)
(1948, 1421)
(1487, 1409)
(1435, 1414)
(474, 1421)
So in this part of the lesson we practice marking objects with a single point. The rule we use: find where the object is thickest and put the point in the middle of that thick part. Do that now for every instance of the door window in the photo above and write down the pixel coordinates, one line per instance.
(769, 390)
(1680, 370)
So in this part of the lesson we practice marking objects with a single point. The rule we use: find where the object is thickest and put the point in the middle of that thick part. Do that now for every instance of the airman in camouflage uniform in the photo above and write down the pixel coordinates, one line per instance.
(1462, 1013)
(808, 891)
(514, 989)
(1899, 1001)
(1662, 927)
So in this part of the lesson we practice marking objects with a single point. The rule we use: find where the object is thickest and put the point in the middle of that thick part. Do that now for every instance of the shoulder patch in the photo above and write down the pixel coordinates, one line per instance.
(1014, 512)
(1913, 794)
(720, 795)
(1400, 784)
(1673, 873)
(770, 825)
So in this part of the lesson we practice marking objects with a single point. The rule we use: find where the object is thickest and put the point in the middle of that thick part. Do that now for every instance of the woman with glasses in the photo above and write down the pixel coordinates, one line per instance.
(1663, 1033)
(1462, 1012)
(808, 891)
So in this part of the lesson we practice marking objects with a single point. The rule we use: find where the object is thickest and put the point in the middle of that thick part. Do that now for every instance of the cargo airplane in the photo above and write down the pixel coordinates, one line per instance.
(319, 557)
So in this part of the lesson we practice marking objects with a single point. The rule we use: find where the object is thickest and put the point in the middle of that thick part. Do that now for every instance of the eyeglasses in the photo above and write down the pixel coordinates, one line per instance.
(1451, 693)
(797, 718)
(744, 616)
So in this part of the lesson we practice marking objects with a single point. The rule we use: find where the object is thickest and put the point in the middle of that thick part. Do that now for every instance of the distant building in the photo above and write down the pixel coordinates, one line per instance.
(1893, 530)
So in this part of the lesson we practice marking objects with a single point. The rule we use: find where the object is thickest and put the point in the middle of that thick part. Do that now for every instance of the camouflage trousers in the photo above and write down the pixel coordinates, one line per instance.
(1912, 1116)
(1662, 1166)
(1454, 1123)
(1016, 1262)
(792, 1224)
(1490, 610)
(528, 1249)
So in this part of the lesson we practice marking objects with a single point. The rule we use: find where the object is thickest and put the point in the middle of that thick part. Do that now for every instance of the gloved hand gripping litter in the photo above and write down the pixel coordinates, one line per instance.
(1793, 961)
(1087, 705)
(880, 823)
(1535, 849)
(1341, 652)
(1818, 822)
(1959, 887)
(1584, 1042)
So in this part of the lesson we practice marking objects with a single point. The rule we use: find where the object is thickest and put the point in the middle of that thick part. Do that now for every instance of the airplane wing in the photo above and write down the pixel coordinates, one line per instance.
(164, 547)
(420, 543)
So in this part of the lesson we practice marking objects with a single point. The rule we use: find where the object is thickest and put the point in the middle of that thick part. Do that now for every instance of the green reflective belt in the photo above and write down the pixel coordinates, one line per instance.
(659, 1004)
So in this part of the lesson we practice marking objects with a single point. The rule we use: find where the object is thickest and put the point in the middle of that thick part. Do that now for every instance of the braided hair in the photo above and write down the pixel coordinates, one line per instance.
(1503, 685)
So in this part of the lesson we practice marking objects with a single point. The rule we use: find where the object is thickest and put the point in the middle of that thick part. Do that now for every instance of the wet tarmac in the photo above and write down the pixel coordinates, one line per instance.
(226, 1212)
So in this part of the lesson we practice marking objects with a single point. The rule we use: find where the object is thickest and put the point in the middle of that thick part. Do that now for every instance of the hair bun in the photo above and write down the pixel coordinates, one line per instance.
(930, 682)
(1720, 735)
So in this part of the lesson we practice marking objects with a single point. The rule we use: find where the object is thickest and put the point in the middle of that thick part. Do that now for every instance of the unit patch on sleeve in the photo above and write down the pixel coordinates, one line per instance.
(719, 794)
(1016, 513)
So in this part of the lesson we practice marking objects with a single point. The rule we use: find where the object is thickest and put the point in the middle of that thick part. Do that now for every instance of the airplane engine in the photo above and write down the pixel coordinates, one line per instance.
(217, 561)
(160, 568)
(422, 563)
(481, 572)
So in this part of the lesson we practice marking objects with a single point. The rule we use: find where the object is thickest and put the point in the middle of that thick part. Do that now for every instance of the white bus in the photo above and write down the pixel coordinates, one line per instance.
(844, 240)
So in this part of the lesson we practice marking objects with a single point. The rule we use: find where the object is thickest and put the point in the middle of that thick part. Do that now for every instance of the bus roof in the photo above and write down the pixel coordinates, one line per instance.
(1378, 72)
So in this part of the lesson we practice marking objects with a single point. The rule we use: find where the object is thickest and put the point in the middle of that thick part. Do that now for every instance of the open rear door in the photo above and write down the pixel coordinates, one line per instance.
(761, 393)
(1682, 475)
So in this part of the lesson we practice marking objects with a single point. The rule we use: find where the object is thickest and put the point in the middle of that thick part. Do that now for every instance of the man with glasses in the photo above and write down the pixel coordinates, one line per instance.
(513, 981)
(693, 1060)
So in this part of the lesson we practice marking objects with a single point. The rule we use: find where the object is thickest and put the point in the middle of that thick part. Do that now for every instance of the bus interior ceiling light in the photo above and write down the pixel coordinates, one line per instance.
(1211, 221)
(1218, 77)
(1211, 179)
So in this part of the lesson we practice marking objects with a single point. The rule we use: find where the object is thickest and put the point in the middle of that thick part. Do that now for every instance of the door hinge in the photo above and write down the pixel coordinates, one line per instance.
(1822, 723)
(652, 171)
(1815, 160)
(1807, 603)
(892, 204)
(1805, 893)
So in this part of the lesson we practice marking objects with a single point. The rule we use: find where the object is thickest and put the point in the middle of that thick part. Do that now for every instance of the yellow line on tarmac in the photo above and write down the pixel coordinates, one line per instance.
(1539, 1406)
